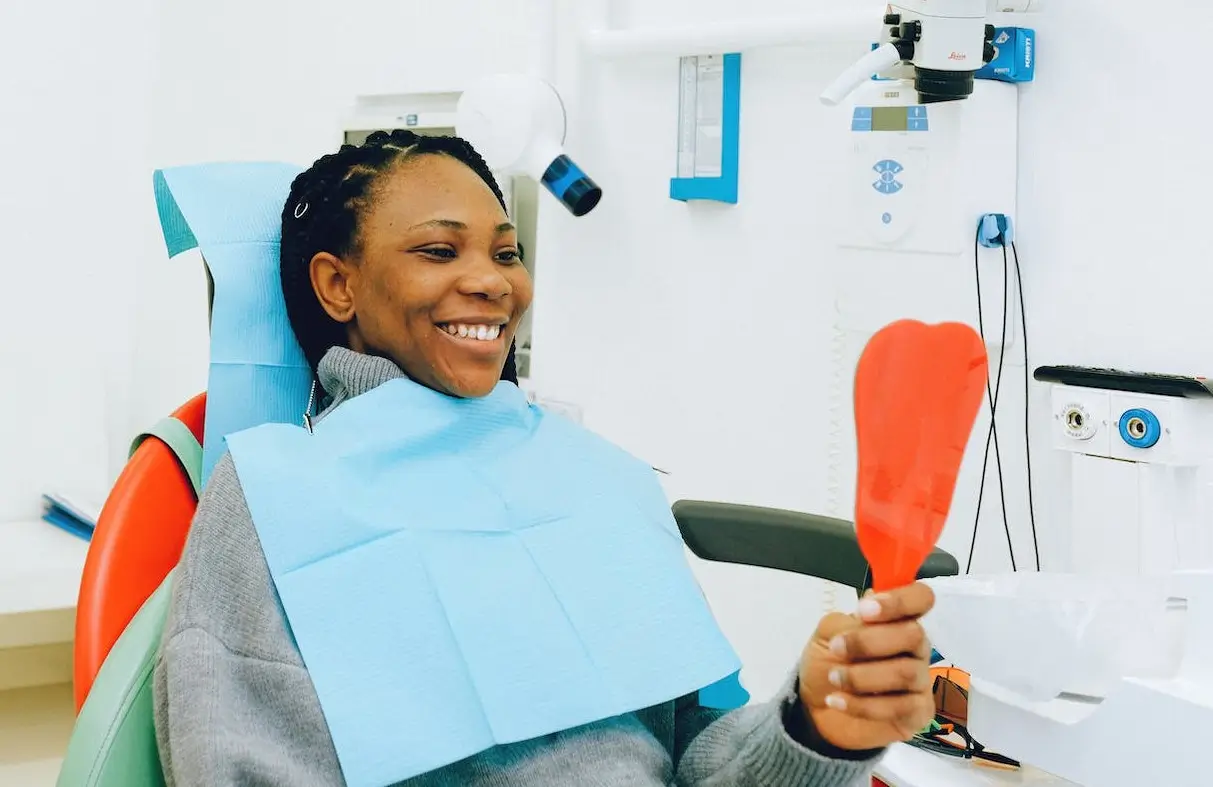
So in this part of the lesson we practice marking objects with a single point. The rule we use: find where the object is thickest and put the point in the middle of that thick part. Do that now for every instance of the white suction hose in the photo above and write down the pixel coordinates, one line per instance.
(883, 57)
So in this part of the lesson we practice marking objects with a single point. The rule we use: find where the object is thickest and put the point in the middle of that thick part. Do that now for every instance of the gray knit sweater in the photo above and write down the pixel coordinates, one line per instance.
(235, 704)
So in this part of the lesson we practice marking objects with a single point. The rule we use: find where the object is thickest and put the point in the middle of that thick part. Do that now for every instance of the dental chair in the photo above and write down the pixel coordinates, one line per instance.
(139, 535)
(124, 594)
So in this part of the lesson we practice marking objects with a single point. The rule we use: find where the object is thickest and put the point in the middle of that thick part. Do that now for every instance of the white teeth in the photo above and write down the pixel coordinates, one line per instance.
(484, 333)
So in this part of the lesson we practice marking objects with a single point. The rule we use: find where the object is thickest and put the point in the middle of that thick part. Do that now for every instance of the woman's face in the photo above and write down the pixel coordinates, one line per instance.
(438, 285)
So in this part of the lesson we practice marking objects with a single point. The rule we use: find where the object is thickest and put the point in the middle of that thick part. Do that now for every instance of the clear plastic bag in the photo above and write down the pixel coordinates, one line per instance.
(1041, 635)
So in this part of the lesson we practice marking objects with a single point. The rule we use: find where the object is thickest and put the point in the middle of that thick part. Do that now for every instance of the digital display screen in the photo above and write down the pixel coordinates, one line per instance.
(890, 118)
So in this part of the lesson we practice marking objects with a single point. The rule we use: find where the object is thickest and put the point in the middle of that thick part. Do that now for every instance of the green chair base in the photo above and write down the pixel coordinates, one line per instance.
(114, 740)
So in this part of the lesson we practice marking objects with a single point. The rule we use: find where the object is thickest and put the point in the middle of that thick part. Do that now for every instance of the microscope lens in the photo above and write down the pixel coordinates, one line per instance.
(934, 85)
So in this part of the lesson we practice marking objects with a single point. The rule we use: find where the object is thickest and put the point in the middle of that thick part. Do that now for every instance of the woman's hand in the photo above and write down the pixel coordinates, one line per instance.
(865, 679)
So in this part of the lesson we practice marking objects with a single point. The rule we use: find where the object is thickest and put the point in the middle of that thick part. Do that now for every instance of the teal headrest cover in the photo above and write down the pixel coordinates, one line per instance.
(232, 213)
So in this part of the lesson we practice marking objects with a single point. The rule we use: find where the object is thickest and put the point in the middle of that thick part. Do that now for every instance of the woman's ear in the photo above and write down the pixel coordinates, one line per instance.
(332, 281)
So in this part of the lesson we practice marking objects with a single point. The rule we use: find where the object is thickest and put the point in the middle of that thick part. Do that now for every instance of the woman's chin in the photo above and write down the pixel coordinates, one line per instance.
(472, 384)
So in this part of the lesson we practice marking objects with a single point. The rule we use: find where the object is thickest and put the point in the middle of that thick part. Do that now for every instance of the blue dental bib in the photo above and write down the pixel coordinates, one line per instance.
(462, 573)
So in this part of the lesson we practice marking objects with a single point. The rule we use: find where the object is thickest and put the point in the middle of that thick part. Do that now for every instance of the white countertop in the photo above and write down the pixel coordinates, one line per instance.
(906, 766)
(40, 570)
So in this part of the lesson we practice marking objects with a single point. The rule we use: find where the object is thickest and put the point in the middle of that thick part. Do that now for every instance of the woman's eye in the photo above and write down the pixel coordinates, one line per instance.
(508, 256)
(439, 252)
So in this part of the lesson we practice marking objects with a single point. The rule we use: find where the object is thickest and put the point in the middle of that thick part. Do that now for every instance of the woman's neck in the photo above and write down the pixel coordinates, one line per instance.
(344, 374)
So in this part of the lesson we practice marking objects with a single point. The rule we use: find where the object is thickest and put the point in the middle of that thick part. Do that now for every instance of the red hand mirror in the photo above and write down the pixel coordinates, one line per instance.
(918, 389)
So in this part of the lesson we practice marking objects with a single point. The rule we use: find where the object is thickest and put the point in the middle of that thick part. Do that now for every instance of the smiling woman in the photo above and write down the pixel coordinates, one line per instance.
(443, 584)
(436, 285)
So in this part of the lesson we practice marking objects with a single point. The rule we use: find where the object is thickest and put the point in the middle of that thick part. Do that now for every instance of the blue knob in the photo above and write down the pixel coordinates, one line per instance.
(1140, 428)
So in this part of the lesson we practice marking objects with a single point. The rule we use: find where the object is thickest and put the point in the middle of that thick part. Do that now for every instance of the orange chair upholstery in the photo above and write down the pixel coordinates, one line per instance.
(138, 539)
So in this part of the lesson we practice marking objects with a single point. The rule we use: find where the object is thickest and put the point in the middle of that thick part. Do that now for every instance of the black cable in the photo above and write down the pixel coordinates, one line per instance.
(1002, 356)
(1027, 431)
(992, 394)
(985, 457)
(992, 434)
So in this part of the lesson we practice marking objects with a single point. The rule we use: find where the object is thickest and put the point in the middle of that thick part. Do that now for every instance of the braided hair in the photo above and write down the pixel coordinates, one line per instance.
(324, 210)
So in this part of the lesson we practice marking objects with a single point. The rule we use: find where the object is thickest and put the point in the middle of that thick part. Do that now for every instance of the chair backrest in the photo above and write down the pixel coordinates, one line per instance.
(230, 212)
(139, 536)
(113, 743)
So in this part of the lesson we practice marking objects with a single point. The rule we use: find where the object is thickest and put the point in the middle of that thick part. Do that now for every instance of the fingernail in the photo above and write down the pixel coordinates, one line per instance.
(869, 608)
(836, 702)
(838, 646)
(836, 677)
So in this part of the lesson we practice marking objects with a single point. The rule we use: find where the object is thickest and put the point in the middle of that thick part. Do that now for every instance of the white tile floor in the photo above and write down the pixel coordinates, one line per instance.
(35, 724)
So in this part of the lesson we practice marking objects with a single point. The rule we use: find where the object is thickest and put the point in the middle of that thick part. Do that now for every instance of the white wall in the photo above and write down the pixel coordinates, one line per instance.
(72, 200)
(700, 336)
(695, 335)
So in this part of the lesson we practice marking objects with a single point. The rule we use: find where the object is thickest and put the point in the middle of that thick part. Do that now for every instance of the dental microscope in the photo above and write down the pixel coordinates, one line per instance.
(938, 44)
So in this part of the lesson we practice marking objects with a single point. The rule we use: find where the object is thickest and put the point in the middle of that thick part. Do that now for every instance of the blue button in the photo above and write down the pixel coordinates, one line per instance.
(918, 125)
(862, 112)
(888, 169)
(917, 111)
(887, 218)
(859, 124)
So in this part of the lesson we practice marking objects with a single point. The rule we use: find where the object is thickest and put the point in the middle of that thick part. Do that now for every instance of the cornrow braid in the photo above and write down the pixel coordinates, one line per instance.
(323, 213)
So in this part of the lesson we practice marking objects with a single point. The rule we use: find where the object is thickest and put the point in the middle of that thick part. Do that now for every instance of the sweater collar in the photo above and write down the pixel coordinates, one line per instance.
(345, 374)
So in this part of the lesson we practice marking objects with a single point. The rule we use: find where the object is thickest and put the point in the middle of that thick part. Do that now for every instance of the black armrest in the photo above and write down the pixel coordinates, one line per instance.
(816, 546)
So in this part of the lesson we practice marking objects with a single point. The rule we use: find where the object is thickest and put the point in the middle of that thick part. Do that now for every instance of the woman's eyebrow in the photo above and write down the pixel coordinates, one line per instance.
(447, 223)
(451, 224)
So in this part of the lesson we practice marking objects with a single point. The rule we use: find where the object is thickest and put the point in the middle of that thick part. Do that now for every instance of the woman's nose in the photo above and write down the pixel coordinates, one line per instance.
(485, 279)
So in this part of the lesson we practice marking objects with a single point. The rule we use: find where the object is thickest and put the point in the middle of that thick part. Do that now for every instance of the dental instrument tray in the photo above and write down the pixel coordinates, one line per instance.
(1176, 385)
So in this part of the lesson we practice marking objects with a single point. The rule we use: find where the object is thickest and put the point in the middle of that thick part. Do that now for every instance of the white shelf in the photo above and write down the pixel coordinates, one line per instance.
(40, 568)
(40, 571)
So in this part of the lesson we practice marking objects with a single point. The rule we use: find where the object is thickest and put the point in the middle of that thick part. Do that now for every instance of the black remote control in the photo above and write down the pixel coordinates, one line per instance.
(1176, 385)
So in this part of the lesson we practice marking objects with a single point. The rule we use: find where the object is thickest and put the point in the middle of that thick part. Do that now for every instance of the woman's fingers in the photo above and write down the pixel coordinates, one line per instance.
(894, 676)
(882, 641)
(877, 665)
(910, 713)
(909, 602)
